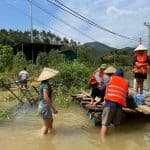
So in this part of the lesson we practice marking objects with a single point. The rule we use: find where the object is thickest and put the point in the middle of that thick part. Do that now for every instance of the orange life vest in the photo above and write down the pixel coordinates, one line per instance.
(142, 62)
(116, 90)
(93, 79)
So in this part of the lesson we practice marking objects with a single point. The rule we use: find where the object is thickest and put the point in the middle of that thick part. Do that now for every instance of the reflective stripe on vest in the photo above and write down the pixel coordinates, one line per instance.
(116, 90)
(142, 61)
(141, 58)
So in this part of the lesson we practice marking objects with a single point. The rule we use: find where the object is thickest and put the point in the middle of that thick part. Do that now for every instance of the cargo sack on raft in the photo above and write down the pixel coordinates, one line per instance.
(139, 99)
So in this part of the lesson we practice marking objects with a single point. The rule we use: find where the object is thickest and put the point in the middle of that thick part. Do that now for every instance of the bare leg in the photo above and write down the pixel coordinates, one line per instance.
(137, 85)
(103, 132)
(47, 125)
(141, 86)
(51, 124)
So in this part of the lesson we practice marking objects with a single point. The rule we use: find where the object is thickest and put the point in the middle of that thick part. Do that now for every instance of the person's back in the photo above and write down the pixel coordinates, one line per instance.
(115, 99)
(23, 77)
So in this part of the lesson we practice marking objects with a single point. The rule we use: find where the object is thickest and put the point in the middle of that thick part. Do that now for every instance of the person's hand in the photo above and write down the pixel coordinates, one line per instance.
(55, 111)
(95, 103)
(137, 64)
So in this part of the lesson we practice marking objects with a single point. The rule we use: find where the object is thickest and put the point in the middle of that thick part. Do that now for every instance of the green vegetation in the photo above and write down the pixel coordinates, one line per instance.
(74, 74)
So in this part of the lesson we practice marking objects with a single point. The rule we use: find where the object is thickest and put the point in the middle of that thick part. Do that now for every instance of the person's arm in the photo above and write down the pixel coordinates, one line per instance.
(148, 60)
(97, 100)
(48, 100)
(134, 61)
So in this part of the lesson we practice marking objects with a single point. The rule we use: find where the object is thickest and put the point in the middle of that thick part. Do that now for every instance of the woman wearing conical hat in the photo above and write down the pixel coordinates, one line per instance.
(46, 106)
(140, 68)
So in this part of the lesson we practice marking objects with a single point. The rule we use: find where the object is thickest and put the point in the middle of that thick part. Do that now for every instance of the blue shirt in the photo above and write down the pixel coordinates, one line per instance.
(45, 85)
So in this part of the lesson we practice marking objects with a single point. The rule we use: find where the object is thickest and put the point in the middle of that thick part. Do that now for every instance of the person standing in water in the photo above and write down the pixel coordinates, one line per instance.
(46, 106)
(115, 99)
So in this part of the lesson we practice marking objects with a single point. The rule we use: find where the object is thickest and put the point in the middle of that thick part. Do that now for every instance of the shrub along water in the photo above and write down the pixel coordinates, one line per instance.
(73, 75)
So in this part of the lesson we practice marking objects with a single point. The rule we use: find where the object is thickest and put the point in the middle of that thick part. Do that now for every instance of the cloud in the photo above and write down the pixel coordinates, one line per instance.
(124, 17)
(117, 15)
(113, 11)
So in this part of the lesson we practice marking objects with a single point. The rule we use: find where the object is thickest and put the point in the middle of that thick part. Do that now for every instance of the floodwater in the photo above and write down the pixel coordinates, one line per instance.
(73, 131)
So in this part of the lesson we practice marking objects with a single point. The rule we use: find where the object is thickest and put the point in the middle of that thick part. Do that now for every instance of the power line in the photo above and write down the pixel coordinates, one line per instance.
(45, 11)
(81, 17)
(37, 20)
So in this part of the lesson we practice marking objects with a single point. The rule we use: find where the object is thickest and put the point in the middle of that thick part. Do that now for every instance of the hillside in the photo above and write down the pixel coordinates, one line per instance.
(102, 48)
(99, 47)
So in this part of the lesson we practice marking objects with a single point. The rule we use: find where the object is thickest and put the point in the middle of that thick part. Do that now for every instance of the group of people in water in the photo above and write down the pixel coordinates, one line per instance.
(112, 88)
(108, 85)
(112, 92)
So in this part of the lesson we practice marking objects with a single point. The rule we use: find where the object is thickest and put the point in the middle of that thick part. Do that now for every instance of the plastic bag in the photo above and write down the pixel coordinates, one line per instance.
(139, 99)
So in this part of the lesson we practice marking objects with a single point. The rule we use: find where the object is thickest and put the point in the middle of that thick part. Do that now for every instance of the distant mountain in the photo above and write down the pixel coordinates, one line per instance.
(99, 47)
(102, 48)
(127, 49)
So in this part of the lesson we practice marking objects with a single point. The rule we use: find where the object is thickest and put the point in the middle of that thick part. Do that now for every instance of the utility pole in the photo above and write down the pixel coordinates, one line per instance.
(31, 27)
(31, 23)
(140, 40)
(148, 25)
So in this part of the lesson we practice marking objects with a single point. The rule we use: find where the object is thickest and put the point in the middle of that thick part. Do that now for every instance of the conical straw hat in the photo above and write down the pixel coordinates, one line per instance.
(47, 73)
(141, 48)
(110, 69)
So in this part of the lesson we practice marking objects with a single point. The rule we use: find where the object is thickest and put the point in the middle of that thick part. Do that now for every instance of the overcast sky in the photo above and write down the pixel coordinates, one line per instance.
(125, 17)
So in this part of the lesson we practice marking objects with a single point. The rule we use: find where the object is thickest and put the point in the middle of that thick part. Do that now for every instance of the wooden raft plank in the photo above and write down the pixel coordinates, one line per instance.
(128, 110)
(147, 103)
(144, 109)
(86, 93)
(87, 98)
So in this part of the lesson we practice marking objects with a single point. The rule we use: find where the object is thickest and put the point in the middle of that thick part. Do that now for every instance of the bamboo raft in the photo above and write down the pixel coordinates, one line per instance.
(94, 112)
(29, 94)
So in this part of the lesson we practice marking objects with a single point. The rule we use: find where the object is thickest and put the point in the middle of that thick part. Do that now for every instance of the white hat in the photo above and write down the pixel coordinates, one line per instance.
(110, 69)
(141, 48)
(47, 73)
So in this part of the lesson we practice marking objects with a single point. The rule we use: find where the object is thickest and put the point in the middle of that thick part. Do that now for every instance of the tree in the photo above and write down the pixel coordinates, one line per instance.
(6, 57)
(19, 61)
(42, 59)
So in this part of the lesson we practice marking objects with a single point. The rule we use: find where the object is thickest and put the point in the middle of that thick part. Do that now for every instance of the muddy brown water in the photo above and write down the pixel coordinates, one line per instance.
(73, 131)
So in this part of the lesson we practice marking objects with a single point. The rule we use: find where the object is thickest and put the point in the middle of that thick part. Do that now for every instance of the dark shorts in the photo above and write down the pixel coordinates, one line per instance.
(44, 111)
(111, 115)
(23, 81)
(140, 75)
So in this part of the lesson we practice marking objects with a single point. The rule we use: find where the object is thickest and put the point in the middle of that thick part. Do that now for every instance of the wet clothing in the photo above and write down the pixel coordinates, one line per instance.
(43, 108)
